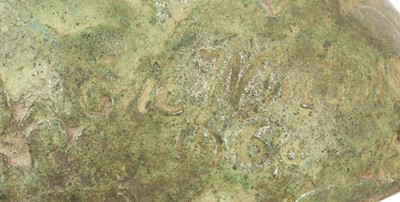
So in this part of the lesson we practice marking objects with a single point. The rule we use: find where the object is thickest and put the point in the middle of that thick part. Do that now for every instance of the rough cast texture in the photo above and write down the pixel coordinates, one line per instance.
(199, 100)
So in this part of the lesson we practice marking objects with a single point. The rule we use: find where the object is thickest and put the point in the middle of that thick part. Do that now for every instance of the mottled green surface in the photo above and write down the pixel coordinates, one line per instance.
(197, 100)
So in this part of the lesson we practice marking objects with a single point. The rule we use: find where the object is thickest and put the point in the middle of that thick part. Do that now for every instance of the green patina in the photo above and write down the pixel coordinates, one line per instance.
(219, 100)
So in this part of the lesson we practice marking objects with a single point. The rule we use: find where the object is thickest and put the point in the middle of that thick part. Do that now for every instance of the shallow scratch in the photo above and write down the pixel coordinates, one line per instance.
(304, 195)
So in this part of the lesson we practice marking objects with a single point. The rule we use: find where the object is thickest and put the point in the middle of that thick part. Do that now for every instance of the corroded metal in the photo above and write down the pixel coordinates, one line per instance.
(189, 100)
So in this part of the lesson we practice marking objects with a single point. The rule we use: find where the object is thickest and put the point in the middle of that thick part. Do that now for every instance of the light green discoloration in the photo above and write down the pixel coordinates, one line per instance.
(188, 100)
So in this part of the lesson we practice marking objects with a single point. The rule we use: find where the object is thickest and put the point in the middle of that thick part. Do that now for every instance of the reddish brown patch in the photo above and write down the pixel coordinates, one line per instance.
(14, 147)
(72, 132)
(107, 104)
(396, 139)
(267, 4)
(20, 111)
